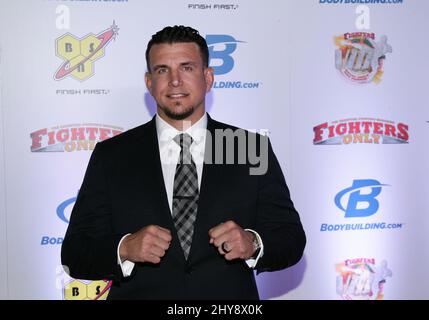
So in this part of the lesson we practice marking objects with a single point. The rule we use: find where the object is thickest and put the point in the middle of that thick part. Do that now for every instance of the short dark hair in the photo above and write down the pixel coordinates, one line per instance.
(179, 34)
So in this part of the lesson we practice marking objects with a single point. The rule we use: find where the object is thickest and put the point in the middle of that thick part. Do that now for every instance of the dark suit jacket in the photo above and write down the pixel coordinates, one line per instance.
(123, 191)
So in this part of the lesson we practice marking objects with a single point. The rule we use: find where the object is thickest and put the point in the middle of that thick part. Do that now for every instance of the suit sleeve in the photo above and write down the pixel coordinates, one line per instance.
(89, 249)
(278, 222)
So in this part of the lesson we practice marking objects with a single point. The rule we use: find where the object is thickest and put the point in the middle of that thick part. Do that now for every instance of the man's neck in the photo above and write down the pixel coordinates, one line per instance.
(182, 125)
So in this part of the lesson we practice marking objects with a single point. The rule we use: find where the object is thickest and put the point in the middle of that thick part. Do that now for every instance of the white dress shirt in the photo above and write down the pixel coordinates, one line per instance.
(169, 152)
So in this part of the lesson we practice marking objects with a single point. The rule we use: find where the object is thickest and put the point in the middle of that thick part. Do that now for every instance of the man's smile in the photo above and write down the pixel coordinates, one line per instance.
(177, 95)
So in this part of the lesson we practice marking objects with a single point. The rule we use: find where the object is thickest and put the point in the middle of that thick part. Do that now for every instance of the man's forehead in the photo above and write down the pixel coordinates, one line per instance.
(173, 49)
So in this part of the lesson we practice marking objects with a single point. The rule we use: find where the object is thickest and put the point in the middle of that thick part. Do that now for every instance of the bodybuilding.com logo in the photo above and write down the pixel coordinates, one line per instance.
(369, 203)
(360, 201)
(221, 50)
(63, 213)
(64, 209)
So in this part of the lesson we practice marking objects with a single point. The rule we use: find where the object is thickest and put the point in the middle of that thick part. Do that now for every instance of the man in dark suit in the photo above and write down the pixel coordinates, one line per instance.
(176, 208)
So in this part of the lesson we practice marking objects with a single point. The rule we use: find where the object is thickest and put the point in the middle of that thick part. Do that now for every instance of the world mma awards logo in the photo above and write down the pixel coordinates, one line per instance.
(362, 279)
(79, 54)
(360, 57)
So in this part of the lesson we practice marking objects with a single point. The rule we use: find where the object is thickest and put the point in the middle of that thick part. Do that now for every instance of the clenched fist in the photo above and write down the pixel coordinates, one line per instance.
(149, 244)
(232, 241)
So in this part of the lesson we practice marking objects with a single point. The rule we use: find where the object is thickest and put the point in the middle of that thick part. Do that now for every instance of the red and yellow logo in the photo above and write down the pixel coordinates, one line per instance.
(79, 54)
(71, 137)
(360, 130)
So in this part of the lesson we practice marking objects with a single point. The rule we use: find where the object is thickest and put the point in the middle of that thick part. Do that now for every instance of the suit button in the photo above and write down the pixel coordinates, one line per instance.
(189, 270)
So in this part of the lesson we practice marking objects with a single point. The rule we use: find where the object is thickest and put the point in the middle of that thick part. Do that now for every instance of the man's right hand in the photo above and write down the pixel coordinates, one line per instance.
(146, 245)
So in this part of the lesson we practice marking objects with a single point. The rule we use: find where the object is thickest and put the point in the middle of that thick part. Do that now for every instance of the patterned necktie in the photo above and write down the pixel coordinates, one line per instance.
(185, 193)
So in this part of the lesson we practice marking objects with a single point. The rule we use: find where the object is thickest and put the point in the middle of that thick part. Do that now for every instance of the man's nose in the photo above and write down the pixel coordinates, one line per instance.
(175, 79)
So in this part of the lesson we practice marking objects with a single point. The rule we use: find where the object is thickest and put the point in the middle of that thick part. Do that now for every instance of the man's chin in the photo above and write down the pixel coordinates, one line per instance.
(179, 115)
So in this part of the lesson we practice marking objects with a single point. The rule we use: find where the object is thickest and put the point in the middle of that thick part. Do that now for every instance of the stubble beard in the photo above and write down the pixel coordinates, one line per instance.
(178, 115)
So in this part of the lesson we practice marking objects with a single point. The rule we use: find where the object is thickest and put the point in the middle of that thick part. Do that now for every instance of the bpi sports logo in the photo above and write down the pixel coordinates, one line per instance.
(362, 279)
(71, 137)
(360, 58)
(360, 130)
(79, 54)
(359, 200)
(221, 49)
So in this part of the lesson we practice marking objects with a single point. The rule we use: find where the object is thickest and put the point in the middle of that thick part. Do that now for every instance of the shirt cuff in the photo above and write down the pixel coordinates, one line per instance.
(126, 266)
(253, 261)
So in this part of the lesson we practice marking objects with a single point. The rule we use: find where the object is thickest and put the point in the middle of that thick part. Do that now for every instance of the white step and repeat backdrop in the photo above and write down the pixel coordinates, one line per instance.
(3, 247)
(339, 85)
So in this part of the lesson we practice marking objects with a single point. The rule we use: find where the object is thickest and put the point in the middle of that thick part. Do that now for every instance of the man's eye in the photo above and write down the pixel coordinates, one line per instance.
(161, 70)
(187, 68)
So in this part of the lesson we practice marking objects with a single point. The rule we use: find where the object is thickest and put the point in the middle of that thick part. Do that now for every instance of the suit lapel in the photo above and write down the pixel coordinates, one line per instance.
(153, 160)
(206, 196)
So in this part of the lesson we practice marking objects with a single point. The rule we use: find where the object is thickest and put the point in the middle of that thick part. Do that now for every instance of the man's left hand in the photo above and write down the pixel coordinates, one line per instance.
(237, 242)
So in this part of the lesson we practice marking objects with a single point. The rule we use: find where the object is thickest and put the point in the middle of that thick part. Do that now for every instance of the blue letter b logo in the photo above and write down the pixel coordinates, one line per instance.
(369, 203)
(230, 44)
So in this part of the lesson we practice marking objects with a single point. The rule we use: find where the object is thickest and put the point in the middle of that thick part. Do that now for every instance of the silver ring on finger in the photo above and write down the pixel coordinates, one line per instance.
(225, 247)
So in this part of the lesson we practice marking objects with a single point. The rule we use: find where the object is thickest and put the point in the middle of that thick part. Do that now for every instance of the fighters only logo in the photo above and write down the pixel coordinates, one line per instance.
(73, 137)
(360, 130)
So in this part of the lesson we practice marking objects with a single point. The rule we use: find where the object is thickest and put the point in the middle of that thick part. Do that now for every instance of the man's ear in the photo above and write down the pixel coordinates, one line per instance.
(209, 75)
(148, 80)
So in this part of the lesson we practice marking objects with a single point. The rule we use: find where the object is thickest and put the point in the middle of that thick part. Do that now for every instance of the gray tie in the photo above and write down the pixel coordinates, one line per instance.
(185, 193)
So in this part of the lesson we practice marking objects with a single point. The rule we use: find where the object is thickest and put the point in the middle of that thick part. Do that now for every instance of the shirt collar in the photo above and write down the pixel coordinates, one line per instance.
(167, 132)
